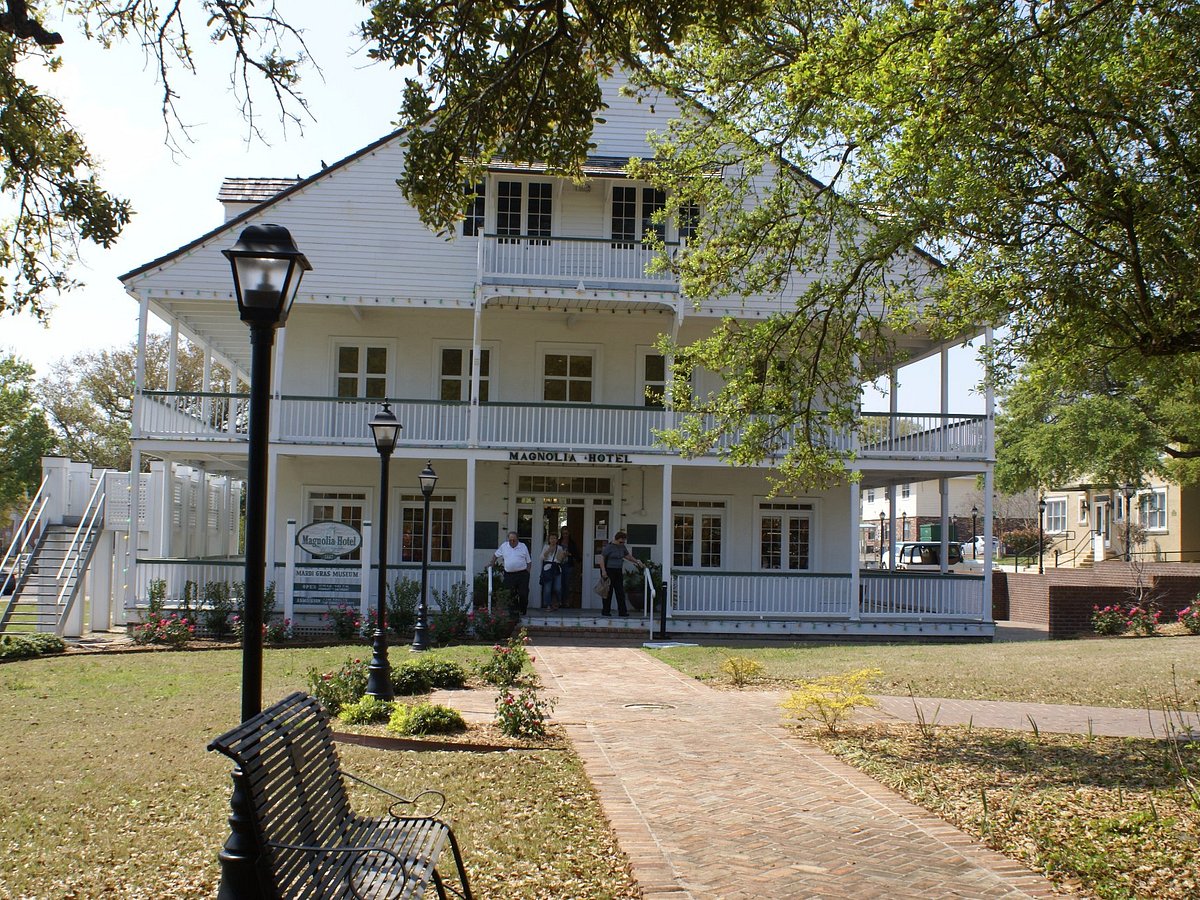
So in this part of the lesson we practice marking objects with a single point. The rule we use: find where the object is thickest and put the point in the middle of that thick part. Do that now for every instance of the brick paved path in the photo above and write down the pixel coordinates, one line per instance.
(712, 798)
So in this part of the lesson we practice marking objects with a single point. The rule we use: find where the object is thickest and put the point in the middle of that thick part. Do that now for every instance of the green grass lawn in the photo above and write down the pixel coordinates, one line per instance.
(108, 790)
(1125, 672)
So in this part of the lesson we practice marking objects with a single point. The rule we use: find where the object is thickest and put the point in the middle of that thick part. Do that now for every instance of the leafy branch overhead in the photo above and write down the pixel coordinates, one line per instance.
(54, 200)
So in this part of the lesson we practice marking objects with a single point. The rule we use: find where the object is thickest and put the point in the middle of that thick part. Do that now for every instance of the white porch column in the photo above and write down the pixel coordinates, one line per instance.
(206, 386)
(131, 536)
(945, 376)
(856, 549)
(273, 493)
(668, 540)
(893, 408)
(139, 375)
(891, 492)
(287, 589)
(476, 364)
(469, 529)
(158, 508)
(173, 357)
(100, 581)
(276, 395)
(364, 573)
(988, 478)
(944, 497)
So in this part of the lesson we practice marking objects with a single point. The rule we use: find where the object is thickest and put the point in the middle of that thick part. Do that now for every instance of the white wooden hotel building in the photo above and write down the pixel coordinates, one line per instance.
(517, 357)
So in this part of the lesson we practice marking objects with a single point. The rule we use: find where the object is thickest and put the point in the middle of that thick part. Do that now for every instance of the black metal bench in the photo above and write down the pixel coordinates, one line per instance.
(305, 841)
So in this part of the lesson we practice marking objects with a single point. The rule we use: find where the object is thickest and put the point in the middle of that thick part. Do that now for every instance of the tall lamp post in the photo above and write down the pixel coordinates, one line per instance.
(1041, 527)
(267, 268)
(903, 527)
(1127, 493)
(384, 429)
(882, 519)
(974, 532)
(421, 633)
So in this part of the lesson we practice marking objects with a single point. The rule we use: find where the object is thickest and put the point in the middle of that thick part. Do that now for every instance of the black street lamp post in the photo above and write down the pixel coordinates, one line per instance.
(421, 633)
(1127, 493)
(974, 532)
(882, 517)
(1041, 527)
(384, 429)
(267, 268)
(903, 527)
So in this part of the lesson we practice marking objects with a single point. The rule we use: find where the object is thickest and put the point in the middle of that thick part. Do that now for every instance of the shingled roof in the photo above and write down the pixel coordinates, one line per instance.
(253, 190)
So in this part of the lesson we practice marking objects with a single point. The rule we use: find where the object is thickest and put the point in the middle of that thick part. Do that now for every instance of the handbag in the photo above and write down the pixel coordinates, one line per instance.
(603, 588)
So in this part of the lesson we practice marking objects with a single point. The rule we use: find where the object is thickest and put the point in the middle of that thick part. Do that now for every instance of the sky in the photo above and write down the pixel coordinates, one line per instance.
(112, 98)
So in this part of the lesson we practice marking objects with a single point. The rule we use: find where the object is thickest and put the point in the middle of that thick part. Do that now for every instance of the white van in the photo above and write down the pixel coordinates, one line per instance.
(926, 556)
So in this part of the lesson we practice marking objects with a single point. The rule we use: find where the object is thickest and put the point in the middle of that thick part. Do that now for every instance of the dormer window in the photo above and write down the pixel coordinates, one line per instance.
(516, 217)
(476, 210)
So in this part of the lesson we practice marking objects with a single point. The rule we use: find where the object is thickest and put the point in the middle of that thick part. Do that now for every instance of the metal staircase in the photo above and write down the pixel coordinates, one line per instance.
(45, 566)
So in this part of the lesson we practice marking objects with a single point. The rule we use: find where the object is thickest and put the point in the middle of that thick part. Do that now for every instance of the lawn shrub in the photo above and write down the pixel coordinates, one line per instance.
(402, 596)
(832, 699)
(339, 688)
(425, 718)
(450, 622)
(522, 715)
(1143, 620)
(495, 624)
(506, 665)
(171, 630)
(1189, 617)
(1109, 620)
(366, 710)
(741, 670)
(409, 679)
(346, 622)
(444, 674)
(27, 646)
(218, 607)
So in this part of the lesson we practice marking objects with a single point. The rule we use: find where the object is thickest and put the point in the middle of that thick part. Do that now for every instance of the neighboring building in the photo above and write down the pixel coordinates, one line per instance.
(1085, 523)
(520, 359)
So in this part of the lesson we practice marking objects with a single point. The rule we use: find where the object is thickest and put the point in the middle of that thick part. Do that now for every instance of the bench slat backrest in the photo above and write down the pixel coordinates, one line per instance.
(291, 769)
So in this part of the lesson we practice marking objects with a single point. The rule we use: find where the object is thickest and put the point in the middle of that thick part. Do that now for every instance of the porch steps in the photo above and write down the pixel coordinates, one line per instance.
(34, 603)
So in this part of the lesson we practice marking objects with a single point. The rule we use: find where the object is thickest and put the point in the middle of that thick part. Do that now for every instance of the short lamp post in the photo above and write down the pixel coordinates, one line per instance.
(384, 429)
(882, 522)
(421, 633)
(903, 527)
(1041, 530)
(974, 532)
(267, 268)
(1127, 493)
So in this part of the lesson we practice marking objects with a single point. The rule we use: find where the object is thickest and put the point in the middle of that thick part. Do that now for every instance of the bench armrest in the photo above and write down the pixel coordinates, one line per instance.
(404, 800)
(308, 848)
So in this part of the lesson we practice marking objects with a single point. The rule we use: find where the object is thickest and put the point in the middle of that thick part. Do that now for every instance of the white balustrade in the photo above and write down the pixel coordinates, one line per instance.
(177, 573)
(911, 595)
(568, 261)
(200, 416)
(760, 594)
(324, 420)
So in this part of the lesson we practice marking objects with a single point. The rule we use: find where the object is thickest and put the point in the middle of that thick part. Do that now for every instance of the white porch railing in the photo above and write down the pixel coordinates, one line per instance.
(569, 261)
(912, 595)
(898, 596)
(345, 421)
(542, 426)
(177, 573)
(795, 594)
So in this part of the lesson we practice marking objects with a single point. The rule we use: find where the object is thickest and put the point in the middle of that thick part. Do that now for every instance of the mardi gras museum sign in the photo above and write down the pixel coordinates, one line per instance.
(328, 540)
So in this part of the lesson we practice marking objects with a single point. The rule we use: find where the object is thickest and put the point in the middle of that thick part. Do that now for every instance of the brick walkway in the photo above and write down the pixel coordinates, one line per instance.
(712, 798)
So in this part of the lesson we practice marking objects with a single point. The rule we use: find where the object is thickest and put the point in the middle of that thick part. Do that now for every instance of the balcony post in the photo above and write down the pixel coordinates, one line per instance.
(856, 550)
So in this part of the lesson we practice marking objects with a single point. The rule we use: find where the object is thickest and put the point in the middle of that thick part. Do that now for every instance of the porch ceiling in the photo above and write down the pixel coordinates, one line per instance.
(212, 321)
(574, 300)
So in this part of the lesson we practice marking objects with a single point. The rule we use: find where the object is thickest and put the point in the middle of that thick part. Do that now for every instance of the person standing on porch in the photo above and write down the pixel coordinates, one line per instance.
(551, 580)
(570, 555)
(517, 566)
(614, 556)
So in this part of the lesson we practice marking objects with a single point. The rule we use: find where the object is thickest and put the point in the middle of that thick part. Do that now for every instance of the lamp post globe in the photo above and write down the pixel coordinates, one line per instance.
(428, 479)
(384, 430)
(267, 269)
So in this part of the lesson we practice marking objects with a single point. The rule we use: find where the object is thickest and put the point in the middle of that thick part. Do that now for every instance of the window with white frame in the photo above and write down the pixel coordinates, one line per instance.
(698, 531)
(568, 376)
(524, 208)
(653, 202)
(624, 216)
(653, 370)
(1152, 509)
(870, 495)
(441, 528)
(347, 507)
(362, 371)
(454, 373)
(473, 220)
(784, 536)
(1055, 520)
(689, 220)
(905, 491)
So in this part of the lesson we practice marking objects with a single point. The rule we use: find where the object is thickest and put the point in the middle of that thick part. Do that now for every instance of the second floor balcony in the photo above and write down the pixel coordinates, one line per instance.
(329, 421)
(568, 262)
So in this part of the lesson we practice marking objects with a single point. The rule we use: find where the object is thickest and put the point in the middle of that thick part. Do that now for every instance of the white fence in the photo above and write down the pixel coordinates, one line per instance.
(803, 595)
(569, 261)
(346, 421)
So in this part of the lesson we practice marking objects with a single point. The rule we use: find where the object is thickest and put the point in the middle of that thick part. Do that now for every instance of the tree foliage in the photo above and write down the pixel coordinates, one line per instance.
(52, 198)
(1045, 152)
(89, 397)
(25, 437)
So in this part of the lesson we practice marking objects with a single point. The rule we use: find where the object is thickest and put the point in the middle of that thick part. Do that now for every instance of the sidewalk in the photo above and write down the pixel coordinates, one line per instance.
(711, 797)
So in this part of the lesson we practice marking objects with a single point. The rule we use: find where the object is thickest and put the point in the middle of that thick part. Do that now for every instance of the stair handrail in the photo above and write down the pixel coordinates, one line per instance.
(649, 593)
(1083, 542)
(23, 533)
(93, 505)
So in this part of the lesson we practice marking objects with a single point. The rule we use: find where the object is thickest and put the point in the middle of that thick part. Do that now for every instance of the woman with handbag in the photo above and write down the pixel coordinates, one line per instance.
(551, 580)
(614, 556)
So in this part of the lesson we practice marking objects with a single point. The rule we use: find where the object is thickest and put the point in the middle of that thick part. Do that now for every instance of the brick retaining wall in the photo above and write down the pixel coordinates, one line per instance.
(1062, 599)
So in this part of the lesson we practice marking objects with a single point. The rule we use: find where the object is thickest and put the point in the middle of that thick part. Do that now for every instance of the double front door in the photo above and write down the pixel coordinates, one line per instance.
(587, 520)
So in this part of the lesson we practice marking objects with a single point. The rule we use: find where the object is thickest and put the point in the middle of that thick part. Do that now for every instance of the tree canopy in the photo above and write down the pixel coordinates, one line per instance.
(51, 197)
(24, 435)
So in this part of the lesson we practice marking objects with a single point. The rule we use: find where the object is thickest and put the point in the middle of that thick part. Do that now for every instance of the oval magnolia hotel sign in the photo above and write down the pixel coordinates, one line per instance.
(328, 540)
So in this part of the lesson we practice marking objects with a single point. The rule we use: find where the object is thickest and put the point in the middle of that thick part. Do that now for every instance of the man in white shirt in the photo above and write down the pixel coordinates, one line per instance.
(517, 565)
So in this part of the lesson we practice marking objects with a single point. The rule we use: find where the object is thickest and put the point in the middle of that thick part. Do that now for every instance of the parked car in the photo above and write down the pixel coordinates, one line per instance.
(978, 548)
(926, 556)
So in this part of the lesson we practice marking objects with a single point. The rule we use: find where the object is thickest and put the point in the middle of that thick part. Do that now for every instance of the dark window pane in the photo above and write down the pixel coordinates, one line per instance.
(581, 367)
(451, 390)
(555, 391)
(452, 362)
(377, 360)
(347, 387)
(348, 359)
(581, 392)
(376, 388)
(556, 365)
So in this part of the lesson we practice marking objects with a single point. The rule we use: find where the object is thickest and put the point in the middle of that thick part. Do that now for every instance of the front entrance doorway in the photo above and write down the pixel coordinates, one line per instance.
(581, 504)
